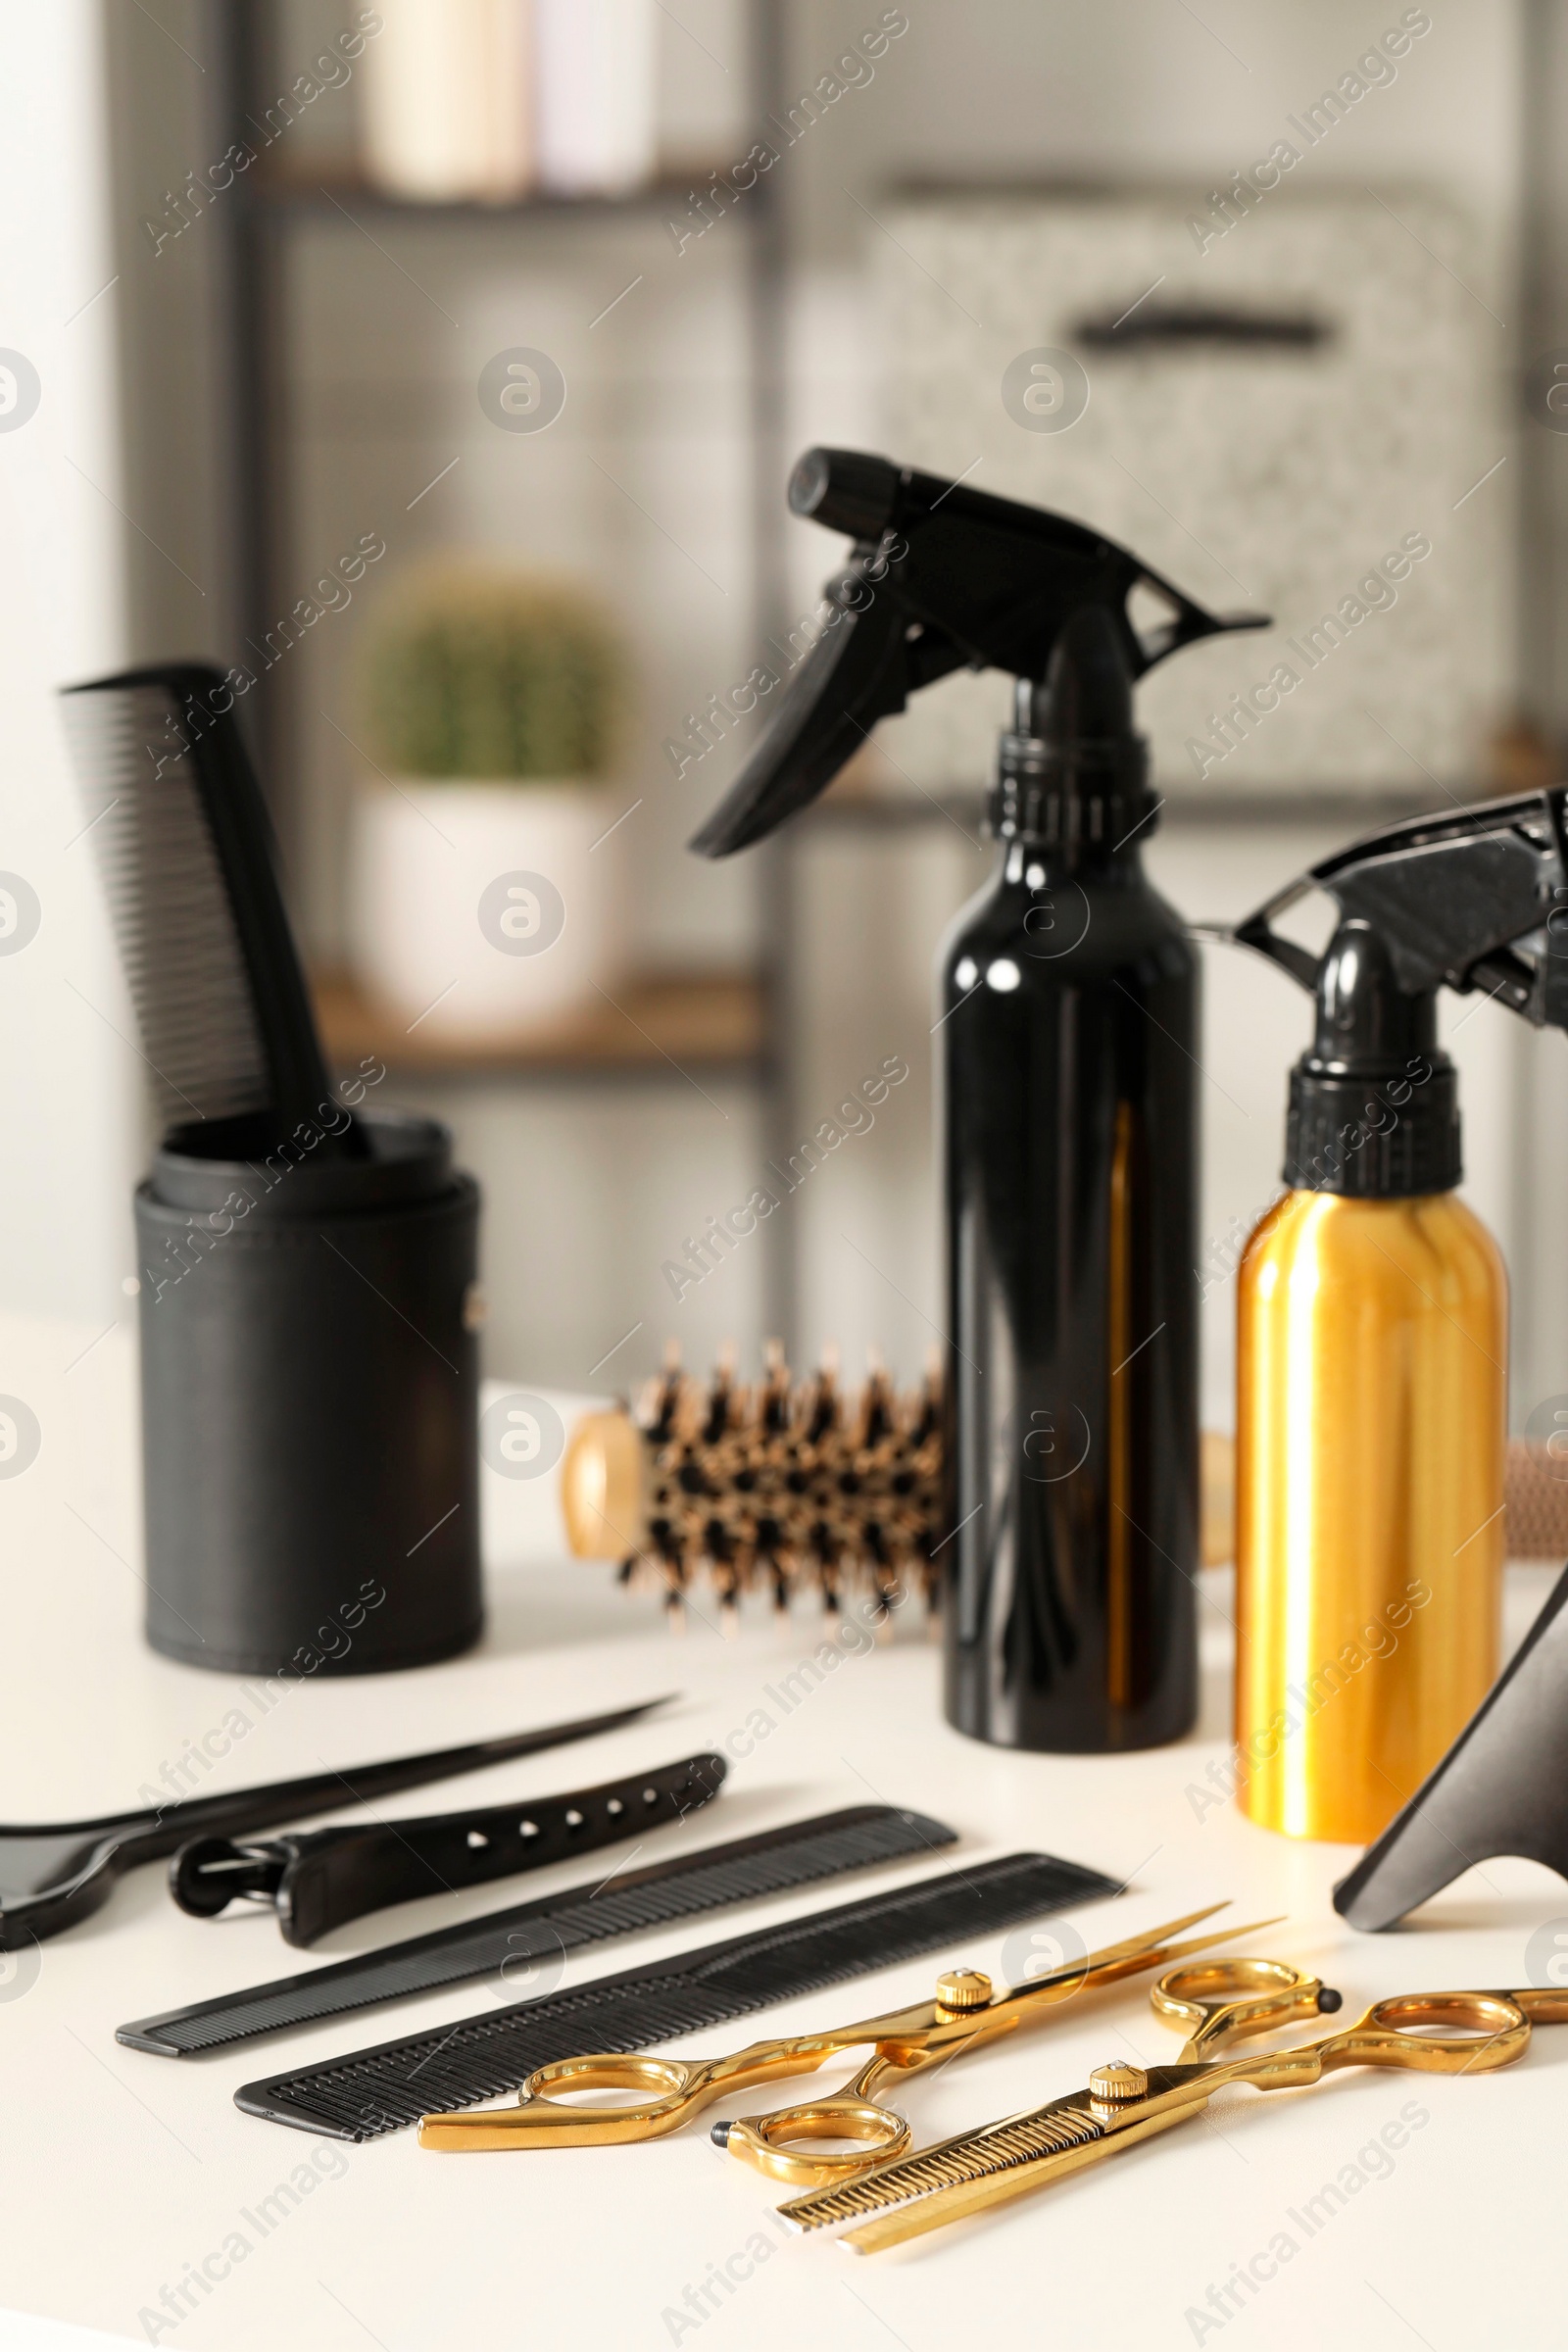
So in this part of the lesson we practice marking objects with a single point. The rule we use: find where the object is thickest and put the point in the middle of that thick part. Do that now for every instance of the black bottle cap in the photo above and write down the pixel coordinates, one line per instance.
(1074, 771)
(1374, 1109)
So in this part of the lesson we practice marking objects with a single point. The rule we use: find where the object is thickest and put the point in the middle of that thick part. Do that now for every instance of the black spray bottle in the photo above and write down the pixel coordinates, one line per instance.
(1069, 1039)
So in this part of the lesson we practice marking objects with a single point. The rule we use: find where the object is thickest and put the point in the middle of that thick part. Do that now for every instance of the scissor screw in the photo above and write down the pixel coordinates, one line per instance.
(1116, 2083)
(960, 1990)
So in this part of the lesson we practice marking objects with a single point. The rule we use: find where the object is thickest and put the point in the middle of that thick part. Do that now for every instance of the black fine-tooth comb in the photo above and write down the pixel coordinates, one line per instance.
(629, 1902)
(385, 2088)
(188, 861)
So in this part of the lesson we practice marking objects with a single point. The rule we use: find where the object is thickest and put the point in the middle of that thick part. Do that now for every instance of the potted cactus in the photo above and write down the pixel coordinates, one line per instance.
(484, 898)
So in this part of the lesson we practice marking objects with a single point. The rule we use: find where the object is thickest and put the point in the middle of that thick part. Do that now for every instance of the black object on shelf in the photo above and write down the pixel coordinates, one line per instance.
(1502, 1788)
(55, 1874)
(384, 2090)
(321, 1879)
(508, 1944)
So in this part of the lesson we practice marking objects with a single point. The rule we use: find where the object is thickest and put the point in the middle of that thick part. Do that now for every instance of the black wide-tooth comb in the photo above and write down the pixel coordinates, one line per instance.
(190, 865)
(394, 2083)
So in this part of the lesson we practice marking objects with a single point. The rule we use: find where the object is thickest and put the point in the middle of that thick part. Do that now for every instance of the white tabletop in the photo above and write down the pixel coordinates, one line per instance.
(121, 2174)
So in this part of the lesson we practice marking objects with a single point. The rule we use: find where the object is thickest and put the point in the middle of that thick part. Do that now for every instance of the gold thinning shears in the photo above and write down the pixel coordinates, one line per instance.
(1220, 2002)
(965, 2013)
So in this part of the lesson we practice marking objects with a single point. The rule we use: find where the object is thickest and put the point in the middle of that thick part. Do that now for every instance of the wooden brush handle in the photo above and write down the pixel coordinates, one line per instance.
(604, 1486)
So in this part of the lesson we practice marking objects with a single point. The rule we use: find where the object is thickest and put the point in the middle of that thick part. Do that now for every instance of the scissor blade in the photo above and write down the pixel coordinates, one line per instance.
(956, 2204)
(1075, 1973)
(1032, 2134)
(1033, 2145)
(1199, 1943)
(1130, 1958)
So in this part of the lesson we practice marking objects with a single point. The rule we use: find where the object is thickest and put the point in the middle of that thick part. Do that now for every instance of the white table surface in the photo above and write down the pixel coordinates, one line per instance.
(119, 2171)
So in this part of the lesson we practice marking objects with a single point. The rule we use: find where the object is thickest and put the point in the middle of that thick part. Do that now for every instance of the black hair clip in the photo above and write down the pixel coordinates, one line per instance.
(322, 1878)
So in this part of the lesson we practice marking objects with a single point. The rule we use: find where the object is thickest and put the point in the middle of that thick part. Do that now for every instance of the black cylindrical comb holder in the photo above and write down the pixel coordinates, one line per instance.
(310, 1400)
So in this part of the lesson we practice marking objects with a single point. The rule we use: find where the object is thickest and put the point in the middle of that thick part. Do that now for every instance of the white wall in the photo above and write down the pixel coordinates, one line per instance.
(68, 1090)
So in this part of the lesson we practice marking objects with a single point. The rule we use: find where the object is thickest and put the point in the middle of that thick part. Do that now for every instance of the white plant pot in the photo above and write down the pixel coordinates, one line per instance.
(484, 910)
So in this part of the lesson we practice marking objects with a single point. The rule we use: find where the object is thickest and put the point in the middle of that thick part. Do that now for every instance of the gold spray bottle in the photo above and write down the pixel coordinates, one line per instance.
(1372, 1332)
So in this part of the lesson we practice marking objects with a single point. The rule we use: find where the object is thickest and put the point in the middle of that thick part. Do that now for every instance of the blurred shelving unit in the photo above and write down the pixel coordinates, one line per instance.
(650, 1028)
(659, 1026)
(750, 1025)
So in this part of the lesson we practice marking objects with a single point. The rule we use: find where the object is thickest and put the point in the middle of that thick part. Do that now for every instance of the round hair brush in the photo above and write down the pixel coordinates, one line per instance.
(790, 1487)
(778, 1486)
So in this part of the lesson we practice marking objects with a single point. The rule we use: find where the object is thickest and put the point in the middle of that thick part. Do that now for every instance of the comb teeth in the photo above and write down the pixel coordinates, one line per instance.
(389, 2086)
(814, 1849)
(168, 901)
(974, 2156)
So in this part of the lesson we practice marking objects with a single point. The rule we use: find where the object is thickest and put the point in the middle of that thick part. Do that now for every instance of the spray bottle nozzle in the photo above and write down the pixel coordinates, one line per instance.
(1475, 899)
(1073, 774)
(1470, 900)
(941, 577)
(846, 490)
(1366, 1024)
(1089, 690)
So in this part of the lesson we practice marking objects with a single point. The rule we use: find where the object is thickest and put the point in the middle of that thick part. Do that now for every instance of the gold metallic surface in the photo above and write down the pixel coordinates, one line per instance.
(1115, 2084)
(959, 1989)
(903, 2043)
(1371, 1394)
(1227, 2000)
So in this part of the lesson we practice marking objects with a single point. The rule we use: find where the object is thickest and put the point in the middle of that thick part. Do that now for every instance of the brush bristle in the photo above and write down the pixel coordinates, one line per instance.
(168, 901)
(778, 1487)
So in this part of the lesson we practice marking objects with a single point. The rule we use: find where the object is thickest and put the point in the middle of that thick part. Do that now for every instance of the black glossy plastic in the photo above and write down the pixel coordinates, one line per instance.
(1068, 1039)
(1069, 1044)
(364, 2094)
(1502, 1788)
(1374, 1106)
(620, 1902)
(54, 1874)
(942, 577)
(321, 1879)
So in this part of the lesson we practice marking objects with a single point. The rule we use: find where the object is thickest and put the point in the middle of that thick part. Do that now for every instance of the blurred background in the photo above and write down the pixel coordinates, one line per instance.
(392, 356)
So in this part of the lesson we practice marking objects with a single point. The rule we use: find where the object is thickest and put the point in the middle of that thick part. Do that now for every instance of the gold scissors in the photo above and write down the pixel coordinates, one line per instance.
(1222, 2002)
(965, 2013)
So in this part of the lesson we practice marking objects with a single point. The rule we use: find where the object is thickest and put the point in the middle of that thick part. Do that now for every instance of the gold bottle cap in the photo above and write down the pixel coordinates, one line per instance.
(1116, 2082)
(962, 1989)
